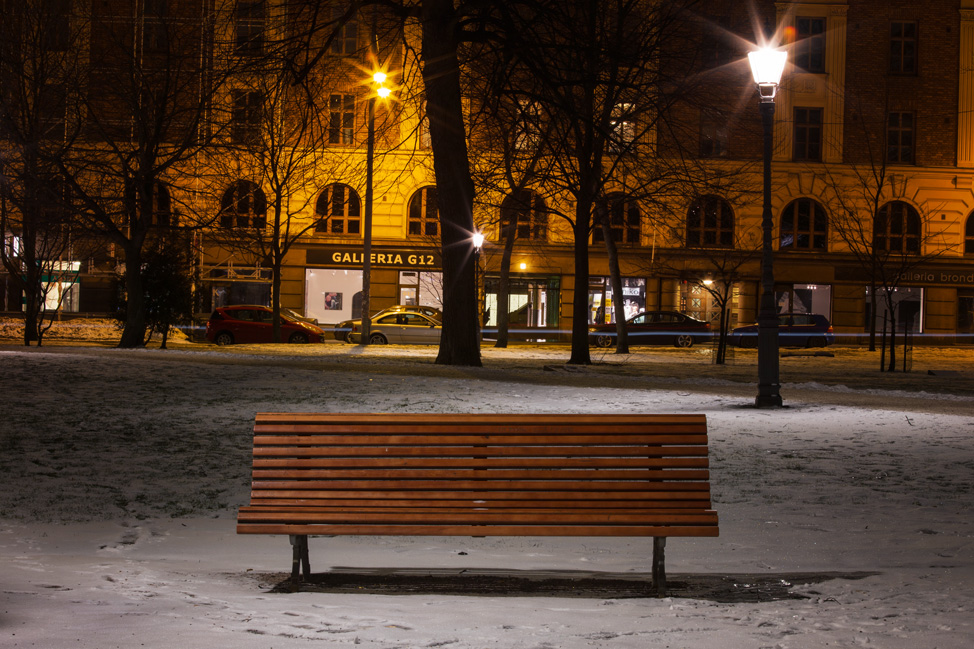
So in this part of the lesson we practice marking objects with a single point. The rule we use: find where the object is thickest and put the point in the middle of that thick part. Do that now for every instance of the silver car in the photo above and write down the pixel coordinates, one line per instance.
(399, 329)
(343, 330)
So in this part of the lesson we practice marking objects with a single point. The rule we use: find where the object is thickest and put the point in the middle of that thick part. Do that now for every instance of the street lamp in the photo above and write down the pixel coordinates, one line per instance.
(767, 66)
(378, 78)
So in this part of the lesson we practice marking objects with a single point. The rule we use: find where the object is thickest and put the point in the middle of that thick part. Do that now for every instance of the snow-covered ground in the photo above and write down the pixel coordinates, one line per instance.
(120, 473)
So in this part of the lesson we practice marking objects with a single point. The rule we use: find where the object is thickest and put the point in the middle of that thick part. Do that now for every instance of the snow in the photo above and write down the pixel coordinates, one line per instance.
(121, 472)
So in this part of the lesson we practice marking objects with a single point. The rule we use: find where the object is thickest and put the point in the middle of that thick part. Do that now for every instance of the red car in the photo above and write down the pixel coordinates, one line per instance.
(251, 323)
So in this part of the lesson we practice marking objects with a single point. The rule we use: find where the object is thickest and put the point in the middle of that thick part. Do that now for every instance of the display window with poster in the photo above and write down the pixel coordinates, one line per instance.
(602, 303)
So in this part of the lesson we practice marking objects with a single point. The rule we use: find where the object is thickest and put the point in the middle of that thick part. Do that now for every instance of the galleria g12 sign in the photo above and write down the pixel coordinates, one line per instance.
(383, 258)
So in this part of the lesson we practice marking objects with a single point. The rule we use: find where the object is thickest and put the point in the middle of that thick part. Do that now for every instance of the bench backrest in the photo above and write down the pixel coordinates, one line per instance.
(515, 461)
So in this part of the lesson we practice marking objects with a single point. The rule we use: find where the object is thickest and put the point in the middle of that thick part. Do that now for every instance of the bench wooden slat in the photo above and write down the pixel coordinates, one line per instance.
(595, 496)
(510, 504)
(455, 438)
(482, 486)
(486, 419)
(633, 462)
(263, 477)
(486, 451)
(481, 530)
(487, 517)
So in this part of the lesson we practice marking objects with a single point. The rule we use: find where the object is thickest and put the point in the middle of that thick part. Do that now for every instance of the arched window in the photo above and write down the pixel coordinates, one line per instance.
(969, 235)
(804, 226)
(624, 217)
(243, 206)
(525, 211)
(710, 223)
(424, 217)
(339, 210)
(897, 228)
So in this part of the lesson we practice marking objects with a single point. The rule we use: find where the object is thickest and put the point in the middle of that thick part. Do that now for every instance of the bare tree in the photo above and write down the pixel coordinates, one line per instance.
(597, 75)
(144, 103)
(887, 235)
(274, 154)
(36, 66)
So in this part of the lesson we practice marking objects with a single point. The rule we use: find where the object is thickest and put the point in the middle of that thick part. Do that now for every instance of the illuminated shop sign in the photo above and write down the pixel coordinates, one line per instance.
(382, 258)
(920, 276)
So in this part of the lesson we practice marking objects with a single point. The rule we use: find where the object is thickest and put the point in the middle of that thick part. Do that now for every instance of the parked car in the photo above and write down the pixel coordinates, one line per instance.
(343, 329)
(294, 315)
(252, 323)
(654, 328)
(794, 330)
(404, 327)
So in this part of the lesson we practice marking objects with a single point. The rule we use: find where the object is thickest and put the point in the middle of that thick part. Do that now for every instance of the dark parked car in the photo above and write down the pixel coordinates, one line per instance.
(251, 323)
(343, 330)
(654, 328)
(794, 330)
(404, 327)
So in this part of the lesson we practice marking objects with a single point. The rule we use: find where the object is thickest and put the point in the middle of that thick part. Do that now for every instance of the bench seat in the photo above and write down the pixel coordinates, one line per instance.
(479, 475)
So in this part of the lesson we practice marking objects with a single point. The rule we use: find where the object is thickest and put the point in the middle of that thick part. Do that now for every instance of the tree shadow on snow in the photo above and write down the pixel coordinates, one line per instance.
(734, 588)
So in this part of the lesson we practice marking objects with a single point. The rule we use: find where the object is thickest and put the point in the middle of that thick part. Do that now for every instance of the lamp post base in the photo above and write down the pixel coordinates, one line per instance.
(768, 400)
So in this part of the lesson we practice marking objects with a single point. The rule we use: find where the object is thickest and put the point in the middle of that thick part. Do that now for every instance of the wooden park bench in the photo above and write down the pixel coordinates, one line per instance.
(480, 475)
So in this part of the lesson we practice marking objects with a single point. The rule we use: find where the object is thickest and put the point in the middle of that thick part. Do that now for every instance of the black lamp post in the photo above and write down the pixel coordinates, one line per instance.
(766, 66)
(380, 91)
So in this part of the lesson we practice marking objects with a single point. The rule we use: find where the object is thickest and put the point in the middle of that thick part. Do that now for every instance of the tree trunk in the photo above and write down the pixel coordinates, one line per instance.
(580, 352)
(504, 287)
(615, 276)
(459, 342)
(873, 301)
(892, 335)
(721, 357)
(133, 335)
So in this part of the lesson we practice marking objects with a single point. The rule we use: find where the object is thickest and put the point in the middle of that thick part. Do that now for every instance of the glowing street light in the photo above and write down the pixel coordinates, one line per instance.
(381, 91)
(767, 65)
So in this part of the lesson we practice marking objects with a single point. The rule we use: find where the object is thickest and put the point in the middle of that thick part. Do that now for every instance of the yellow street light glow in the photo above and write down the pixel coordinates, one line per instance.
(767, 65)
(383, 92)
(379, 77)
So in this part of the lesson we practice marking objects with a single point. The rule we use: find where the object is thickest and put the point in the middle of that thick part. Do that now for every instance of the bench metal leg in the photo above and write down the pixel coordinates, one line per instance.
(299, 556)
(659, 565)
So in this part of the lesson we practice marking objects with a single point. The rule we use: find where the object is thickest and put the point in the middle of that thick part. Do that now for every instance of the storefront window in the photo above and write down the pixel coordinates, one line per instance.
(907, 303)
(805, 298)
(333, 295)
(532, 301)
(602, 305)
(421, 288)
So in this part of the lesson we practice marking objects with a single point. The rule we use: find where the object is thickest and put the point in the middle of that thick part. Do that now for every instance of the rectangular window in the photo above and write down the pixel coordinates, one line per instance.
(246, 116)
(249, 24)
(808, 134)
(346, 39)
(622, 127)
(51, 111)
(341, 119)
(908, 304)
(810, 44)
(713, 138)
(527, 135)
(899, 138)
(903, 48)
(56, 25)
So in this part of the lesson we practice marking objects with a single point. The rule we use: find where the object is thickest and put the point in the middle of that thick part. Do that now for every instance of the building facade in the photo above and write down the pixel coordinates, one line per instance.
(873, 182)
